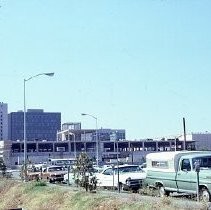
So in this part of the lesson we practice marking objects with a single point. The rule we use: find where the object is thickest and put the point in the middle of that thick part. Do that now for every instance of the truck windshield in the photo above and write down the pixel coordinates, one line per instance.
(55, 169)
(128, 169)
(205, 162)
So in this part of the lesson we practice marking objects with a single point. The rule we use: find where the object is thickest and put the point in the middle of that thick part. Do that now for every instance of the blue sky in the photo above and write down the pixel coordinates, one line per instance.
(140, 65)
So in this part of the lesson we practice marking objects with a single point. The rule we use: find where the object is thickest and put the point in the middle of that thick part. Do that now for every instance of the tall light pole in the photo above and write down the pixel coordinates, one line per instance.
(72, 134)
(184, 128)
(117, 157)
(24, 119)
(97, 152)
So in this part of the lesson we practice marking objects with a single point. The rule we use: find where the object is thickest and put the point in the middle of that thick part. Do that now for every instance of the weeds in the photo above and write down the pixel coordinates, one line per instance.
(40, 184)
(148, 191)
(36, 195)
(166, 201)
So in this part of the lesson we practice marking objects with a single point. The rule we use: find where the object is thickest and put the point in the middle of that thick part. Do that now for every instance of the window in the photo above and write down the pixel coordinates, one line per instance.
(160, 164)
(55, 169)
(108, 172)
(186, 165)
(205, 162)
(128, 169)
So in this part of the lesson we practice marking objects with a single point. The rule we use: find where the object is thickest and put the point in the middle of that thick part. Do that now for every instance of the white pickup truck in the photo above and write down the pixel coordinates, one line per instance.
(130, 177)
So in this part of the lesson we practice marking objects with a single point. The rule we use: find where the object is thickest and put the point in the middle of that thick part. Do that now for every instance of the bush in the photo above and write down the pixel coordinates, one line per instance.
(40, 183)
(3, 167)
(83, 172)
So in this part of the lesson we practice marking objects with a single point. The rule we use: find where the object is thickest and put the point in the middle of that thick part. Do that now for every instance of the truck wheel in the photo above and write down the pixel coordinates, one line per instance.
(162, 192)
(204, 195)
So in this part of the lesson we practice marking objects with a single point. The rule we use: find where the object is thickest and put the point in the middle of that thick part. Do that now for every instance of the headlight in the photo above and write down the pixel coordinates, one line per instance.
(128, 181)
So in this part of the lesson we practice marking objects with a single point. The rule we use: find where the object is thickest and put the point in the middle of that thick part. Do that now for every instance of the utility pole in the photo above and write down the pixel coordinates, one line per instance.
(117, 147)
(184, 143)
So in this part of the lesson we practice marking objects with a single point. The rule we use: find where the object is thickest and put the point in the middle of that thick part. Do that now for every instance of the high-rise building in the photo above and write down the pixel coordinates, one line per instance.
(40, 125)
(3, 121)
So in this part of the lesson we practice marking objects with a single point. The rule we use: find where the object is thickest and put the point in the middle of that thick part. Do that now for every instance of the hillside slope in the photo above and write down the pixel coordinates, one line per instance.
(33, 196)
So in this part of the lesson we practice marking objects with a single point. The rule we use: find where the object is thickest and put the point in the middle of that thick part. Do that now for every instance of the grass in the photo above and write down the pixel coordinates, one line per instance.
(40, 196)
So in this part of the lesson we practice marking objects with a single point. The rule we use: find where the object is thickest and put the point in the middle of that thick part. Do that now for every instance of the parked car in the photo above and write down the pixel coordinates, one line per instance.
(53, 174)
(33, 173)
(130, 177)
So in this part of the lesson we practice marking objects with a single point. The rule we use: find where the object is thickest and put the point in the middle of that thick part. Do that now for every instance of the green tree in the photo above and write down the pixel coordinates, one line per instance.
(83, 171)
(3, 167)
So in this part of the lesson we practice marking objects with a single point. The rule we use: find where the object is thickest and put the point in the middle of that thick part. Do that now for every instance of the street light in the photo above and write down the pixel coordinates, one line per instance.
(24, 117)
(72, 134)
(97, 158)
(117, 156)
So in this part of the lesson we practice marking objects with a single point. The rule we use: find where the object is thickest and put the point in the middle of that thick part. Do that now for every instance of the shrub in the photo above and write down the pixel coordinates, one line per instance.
(40, 183)
(3, 167)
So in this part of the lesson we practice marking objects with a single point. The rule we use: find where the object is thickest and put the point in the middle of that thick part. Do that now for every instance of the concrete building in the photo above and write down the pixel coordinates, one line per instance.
(130, 151)
(71, 126)
(202, 141)
(3, 121)
(40, 125)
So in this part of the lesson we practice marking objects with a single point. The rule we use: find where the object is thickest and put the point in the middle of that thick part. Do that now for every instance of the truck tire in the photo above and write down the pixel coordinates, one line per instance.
(162, 192)
(204, 195)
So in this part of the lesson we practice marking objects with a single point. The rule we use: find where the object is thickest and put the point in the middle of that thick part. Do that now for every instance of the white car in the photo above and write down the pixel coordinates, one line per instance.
(71, 178)
(130, 177)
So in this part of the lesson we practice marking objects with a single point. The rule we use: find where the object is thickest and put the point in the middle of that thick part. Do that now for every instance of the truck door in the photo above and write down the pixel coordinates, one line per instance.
(184, 176)
(106, 178)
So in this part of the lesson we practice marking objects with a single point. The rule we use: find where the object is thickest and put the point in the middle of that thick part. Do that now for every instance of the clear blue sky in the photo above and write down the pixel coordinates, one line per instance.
(140, 65)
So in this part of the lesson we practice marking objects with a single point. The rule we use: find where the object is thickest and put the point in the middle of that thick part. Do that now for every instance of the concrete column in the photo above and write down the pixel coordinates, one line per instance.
(53, 149)
(20, 147)
(84, 146)
(156, 146)
(114, 146)
(170, 143)
(143, 146)
(37, 147)
(69, 147)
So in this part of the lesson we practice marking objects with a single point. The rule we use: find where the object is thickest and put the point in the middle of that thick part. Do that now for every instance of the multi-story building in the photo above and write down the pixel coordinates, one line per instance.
(71, 125)
(40, 125)
(74, 140)
(3, 121)
(130, 151)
